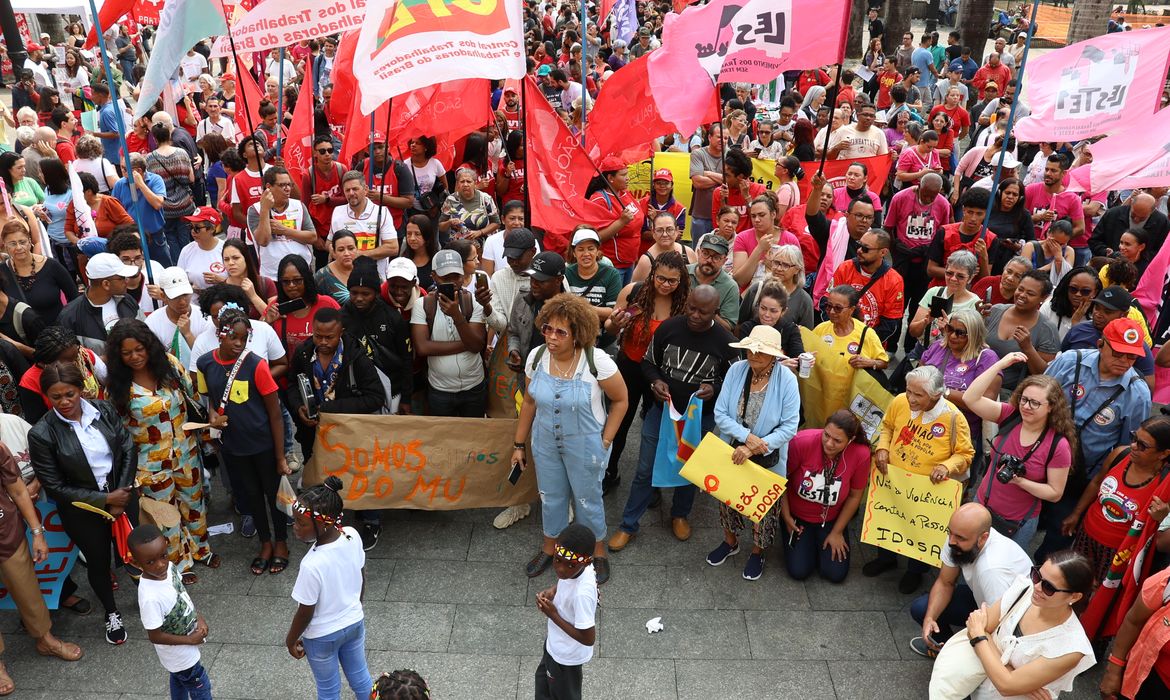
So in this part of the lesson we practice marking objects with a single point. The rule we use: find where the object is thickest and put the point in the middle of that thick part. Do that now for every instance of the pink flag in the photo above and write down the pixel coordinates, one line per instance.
(1137, 156)
(1094, 87)
(755, 40)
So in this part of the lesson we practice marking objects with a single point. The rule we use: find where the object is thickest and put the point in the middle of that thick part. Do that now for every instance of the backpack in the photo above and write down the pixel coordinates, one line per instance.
(431, 305)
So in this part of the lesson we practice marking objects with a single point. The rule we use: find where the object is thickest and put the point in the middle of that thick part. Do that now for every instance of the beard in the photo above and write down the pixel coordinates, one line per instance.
(961, 556)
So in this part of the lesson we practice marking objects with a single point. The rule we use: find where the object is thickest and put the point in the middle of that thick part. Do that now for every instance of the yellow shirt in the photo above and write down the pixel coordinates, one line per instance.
(919, 443)
(833, 368)
(1134, 314)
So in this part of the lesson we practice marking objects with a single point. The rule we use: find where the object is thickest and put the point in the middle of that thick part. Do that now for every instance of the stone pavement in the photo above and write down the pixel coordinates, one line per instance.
(446, 595)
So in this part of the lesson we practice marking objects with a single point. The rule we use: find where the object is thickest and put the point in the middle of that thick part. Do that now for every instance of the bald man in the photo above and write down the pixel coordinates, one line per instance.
(989, 563)
(1142, 213)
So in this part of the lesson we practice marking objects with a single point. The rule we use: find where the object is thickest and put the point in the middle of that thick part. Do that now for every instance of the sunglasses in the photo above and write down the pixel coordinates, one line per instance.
(955, 274)
(835, 308)
(957, 332)
(293, 282)
(863, 248)
(1138, 445)
(1082, 291)
(325, 151)
(1048, 588)
(547, 330)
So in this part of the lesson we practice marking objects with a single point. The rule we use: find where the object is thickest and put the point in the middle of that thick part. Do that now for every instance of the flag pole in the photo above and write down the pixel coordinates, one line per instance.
(279, 101)
(370, 149)
(239, 73)
(524, 121)
(833, 92)
(388, 164)
(116, 94)
(584, 92)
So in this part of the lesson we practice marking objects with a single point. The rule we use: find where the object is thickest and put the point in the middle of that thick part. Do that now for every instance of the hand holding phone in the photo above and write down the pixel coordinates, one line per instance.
(447, 290)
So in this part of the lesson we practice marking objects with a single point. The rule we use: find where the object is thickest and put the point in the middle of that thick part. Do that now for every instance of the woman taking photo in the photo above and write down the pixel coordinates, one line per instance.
(1072, 300)
(565, 416)
(666, 233)
(1019, 327)
(334, 277)
(81, 451)
(297, 301)
(149, 389)
(419, 244)
(828, 470)
(955, 294)
(240, 271)
(851, 346)
(757, 411)
(1031, 455)
(42, 280)
(23, 190)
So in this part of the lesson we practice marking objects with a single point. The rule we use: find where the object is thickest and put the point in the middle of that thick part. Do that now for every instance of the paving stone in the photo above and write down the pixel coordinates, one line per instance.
(414, 539)
(460, 582)
(132, 667)
(819, 635)
(688, 634)
(455, 675)
(906, 680)
(408, 626)
(701, 680)
(260, 672)
(645, 679)
(485, 629)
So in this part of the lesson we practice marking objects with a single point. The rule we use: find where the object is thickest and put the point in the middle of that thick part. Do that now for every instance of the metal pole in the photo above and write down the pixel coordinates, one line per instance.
(524, 122)
(584, 92)
(370, 158)
(280, 102)
(832, 100)
(239, 74)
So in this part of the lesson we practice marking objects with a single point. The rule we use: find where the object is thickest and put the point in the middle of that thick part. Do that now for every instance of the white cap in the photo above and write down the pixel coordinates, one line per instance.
(174, 282)
(586, 234)
(105, 265)
(402, 268)
(1009, 161)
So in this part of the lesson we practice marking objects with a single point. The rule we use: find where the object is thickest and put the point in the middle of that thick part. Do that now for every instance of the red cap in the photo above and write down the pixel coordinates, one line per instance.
(1124, 335)
(663, 174)
(512, 89)
(227, 76)
(34, 46)
(611, 164)
(378, 137)
(204, 214)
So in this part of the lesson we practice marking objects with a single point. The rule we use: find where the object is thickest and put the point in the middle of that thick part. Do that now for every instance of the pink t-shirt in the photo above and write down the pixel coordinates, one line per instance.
(841, 199)
(1067, 205)
(1009, 500)
(808, 493)
(916, 224)
(746, 241)
(911, 161)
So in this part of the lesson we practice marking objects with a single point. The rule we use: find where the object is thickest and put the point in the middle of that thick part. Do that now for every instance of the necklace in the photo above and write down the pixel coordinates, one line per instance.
(762, 377)
(557, 371)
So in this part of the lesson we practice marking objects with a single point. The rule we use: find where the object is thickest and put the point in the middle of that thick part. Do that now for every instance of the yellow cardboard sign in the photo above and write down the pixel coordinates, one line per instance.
(748, 488)
(907, 514)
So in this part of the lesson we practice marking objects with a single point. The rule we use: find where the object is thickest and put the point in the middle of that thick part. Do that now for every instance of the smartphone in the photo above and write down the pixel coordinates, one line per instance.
(447, 290)
(940, 306)
(987, 295)
(285, 308)
(481, 281)
(514, 475)
(632, 311)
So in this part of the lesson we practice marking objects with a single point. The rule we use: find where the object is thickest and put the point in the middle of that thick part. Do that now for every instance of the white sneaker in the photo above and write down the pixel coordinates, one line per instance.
(511, 515)
(295, 462)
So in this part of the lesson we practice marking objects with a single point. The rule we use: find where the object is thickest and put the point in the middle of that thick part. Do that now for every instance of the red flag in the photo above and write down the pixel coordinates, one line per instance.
(450, 110)
(247, 93)
(298, 144)
(559, 171)
(606, 6)
(146, 12)
(357, 128)
(344, 85)
(108, 15)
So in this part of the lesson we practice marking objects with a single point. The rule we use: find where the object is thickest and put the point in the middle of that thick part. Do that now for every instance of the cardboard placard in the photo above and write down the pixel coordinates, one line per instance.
(907, 514)
(52, 572)
(505, 387)
(748, 488)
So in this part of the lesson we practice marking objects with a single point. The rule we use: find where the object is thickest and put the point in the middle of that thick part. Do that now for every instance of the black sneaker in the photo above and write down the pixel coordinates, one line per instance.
(370, 534)
(879, 566)
(115, 630)
(609, 483)
(910, 582)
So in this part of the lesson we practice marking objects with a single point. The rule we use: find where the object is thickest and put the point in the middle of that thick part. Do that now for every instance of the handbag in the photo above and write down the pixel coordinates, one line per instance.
(878, 375)
(957, 669)
(767, 461)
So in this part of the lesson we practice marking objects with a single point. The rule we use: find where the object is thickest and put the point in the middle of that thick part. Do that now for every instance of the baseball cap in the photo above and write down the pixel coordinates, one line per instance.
(446, 262)
(227, 77)
(511, 89)
(544, 70)
(34, 46)
(1124, 335)
(105, 265)
(1009, 161)
(715, 242)
(546, 266)
(203, 214)
(1114, 298)
(644, 31)
(663, 174)
(610, 164)
(402, 268)
(377, 137)
(991, 84)
(586, 234)
(517, 242)
(174, 282)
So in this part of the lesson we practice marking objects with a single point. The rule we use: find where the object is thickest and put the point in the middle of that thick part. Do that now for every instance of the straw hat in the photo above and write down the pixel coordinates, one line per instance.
(765, 339)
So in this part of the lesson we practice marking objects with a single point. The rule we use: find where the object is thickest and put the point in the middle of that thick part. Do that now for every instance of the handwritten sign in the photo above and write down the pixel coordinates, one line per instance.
(908, 514)
(424, 463)
(748, 488)
(51, 573)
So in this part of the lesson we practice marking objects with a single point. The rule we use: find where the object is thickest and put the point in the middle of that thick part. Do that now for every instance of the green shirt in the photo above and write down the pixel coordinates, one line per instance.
(940, 56)
(601, 290)
(28, 192)
(728, 294)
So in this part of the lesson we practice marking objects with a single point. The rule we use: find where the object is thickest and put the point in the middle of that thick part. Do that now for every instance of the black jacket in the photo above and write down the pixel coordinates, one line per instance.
(85, 320)
(357, 390)
(1115, 221)
(61, 464)
(384, 334)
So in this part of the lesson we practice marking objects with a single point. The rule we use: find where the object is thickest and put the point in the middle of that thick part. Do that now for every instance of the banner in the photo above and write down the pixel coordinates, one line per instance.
(183, 23)
(678, 434)
(1094, 87)
(404, 45)
(748, 488)
(865, 398)
(272, 24)
(505, 387)
(1129, 159)
(52, 572)
(907, 514)
(419, 462)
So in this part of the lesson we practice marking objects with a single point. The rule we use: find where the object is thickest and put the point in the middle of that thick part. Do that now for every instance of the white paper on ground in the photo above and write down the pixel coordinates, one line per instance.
(225, 529)
(654, 625)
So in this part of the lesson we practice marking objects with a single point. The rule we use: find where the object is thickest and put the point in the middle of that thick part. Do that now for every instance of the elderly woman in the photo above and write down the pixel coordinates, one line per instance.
(851, 346)
(925, 434)
(757, 411)
(1031, 455)
(939, 302)
(468, 212)
(786, 268)
(564, 414)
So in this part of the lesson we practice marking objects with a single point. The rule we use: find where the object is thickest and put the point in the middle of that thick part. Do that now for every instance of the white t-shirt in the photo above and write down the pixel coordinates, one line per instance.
(369, 232)
(451, 373)
(275, 67)
(424, 177)
(576, 601)
(294, 217)
(109, 313)
(166, 605)
(606, 368)
(862, 144)
(192, 66)
(330, 578)
(195, 261)
(493, 249)
(224, 127)
(145, 303)
(164, 329)
(263, 341)
(1000, 563)
(99, 168)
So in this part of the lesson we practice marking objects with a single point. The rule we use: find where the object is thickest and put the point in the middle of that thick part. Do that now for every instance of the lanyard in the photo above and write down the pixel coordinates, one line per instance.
(231, 378)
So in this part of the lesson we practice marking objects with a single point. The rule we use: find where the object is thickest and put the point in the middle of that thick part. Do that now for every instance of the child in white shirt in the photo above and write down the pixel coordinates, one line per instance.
(571, 608)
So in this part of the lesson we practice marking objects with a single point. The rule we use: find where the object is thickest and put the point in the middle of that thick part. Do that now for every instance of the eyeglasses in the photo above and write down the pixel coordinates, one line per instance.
(782, 264)
(861, 217)
(325, 151)
(18, 243)
(836, 308)
(284, 185)
(765, 132)
(136, 260)
(1138, 445)
(955, 274)
(1031, 403)
(293, 282)
(1081, 291)
(667, 281)
(661, 231)
(957, 332)
(547, 330)
(1048, 587)
(202, 226)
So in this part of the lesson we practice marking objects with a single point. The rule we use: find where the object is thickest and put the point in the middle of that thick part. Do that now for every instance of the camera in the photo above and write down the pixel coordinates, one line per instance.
(1008, 467)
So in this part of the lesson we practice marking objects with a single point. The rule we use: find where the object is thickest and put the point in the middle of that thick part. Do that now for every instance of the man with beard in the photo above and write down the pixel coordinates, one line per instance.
(511, 108)
(709, 271)
(989, 562)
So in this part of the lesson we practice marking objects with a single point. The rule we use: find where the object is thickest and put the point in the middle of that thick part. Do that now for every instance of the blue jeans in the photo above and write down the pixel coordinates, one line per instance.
(160, 252)
(192, 684)
(1081, 256)
(699, 227)
(626, 273)
(178, 233)
(641, 490)
(807, 553)
(347, 647)
(955, 614)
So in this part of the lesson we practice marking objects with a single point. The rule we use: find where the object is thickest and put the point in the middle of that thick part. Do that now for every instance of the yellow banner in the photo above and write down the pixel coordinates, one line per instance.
(748, 488)
(907, 514)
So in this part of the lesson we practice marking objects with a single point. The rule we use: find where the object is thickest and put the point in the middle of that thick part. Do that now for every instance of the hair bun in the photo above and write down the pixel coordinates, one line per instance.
(333, 484)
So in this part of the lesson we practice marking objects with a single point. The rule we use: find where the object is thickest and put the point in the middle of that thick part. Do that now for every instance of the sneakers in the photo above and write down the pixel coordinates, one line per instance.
(511, 515)
(720, 553)
(295, 462)
(609, 483)
(879, 566)
(115, 630)
(920, 646)
(754, 568)
(247, 526)
(910, 582)
(369, 534)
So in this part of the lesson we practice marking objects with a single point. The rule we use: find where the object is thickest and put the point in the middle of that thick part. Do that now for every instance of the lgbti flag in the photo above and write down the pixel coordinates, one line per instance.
(298, 143)
(182, 24)
(1097, 86)
(678, 436)
(756, 40)
(1136, 156)
(404, 45)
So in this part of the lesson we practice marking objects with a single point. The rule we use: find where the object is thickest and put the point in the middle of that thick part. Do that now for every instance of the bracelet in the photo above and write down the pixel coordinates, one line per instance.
(40, 531)
(1120, 663)
(980, 638)
(519, 446)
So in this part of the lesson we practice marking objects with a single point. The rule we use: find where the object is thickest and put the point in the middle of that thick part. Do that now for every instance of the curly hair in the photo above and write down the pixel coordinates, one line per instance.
(1059, 414)
(404, 684)
(644, 294)
(51, 343)
(574, 311)
(120, 376)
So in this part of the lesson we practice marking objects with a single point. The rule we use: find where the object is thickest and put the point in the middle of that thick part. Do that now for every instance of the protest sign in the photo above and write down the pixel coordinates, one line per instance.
(271, 25)
(907, 514)
(748, 488)
(865, 398)
(52, 572)
(504, 386)
(424, 463)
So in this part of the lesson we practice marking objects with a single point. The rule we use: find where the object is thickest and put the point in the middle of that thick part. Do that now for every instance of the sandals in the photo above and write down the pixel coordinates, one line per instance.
(278, 565)
(259, 566)
(82, 607)
(65, 651)
(7, 687)
(189, 578)
(212, 562)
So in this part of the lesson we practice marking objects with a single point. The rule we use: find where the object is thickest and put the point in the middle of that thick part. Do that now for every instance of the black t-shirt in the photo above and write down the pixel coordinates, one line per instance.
(876, 28)
(953, 52)
(685, 359)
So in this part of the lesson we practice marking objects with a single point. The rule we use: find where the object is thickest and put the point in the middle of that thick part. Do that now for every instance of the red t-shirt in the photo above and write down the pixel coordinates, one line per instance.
(513, 118)
(990, 282)
(885, 299)
(736, 201)
(386, 183)
(622, 249)
(1109, 515)
(516, 184)
(247, 188)
(946, 142)
(886, 80)
(293, 331)
(808, 78)
(328, 185)
(65, 150)
(951, 240)
(137, 144)
(814, 496)
(959, 117)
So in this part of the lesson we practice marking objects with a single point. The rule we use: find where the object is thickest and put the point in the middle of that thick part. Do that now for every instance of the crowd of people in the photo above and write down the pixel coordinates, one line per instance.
(219, 305)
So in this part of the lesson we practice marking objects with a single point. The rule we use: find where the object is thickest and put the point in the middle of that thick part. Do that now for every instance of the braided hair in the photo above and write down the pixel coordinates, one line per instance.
(643, 298)
(322, 504)
(51, 342)
(404, 684)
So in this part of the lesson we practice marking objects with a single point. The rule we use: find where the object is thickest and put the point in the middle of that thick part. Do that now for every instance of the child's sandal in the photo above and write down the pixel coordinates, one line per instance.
(212, 562)
(189, 578)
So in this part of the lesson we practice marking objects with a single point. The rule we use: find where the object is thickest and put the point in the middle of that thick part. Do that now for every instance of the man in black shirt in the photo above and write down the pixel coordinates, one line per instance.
(876, 26)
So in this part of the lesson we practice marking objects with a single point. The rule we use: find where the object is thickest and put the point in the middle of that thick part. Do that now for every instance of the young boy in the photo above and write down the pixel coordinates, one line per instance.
(571, 607)
(169, 615)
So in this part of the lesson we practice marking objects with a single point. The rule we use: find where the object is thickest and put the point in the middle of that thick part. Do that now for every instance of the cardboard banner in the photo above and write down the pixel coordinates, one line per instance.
(505, 387)
(52, 572)
(272, 25)
(419, 462)
(748, 488)
(907, 514)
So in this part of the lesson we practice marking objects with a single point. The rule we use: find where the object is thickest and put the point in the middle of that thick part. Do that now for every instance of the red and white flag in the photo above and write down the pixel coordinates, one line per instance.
(273, 24)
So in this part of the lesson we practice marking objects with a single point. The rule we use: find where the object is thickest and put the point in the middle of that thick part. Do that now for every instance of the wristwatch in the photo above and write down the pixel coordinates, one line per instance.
(980, 638)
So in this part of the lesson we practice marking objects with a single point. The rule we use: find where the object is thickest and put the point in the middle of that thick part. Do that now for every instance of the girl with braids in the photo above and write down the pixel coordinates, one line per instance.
(400, 685)
(329, 626)
(57, 344)
(639, 310)
(244, 406)
(149, 388)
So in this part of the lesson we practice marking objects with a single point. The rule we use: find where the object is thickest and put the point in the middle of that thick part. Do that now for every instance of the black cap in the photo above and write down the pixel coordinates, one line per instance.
(364, 274)
(1115, 298)
(546, 266)
(517, 242)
